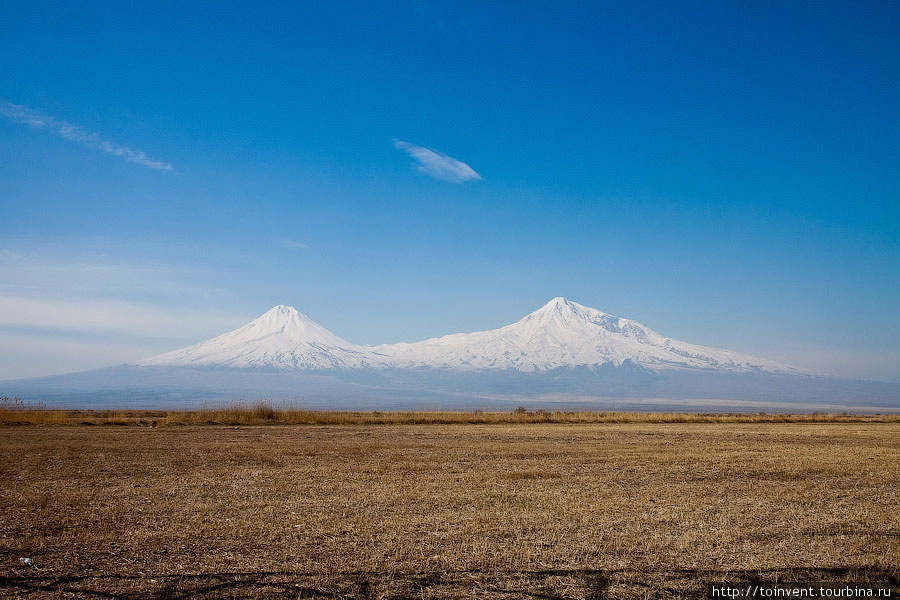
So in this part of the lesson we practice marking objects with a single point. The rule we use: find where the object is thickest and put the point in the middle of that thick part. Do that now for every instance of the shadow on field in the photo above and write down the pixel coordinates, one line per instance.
(550, 584)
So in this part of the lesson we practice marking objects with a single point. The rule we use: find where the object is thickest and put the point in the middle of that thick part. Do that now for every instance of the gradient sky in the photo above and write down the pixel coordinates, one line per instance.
(725, 173)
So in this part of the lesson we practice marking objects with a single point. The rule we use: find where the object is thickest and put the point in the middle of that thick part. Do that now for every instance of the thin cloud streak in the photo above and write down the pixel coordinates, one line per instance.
(437, 164)
(70, 272)
(100, 317)
(293, 244)
(73, 133)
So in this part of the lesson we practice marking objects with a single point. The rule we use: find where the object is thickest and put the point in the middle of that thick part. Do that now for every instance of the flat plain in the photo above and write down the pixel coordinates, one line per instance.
(531, 510)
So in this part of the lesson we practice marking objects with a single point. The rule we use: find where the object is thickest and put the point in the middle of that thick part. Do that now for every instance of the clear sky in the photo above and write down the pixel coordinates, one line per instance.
(727, 173)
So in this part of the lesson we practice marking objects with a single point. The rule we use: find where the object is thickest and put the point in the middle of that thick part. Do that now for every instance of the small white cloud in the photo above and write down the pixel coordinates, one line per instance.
(437, 164)
(33, 118)
(293, 244)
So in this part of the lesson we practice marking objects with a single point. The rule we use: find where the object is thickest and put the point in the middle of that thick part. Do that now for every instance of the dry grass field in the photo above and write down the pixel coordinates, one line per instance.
(14, 411)
(540, 510)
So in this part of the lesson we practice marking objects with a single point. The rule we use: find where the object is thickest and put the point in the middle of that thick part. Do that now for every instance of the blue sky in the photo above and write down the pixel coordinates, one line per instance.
(725, 173)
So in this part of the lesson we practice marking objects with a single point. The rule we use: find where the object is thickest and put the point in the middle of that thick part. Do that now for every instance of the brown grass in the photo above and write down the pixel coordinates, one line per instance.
(267, 414)
(550, 511)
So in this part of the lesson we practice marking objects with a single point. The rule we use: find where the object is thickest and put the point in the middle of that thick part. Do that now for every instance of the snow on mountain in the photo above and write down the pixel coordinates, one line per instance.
(282, 338)
(559, 334)
(566, 334)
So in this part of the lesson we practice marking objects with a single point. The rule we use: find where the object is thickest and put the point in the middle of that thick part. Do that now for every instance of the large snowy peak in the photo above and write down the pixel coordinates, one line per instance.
(566, 334)
(282, 338)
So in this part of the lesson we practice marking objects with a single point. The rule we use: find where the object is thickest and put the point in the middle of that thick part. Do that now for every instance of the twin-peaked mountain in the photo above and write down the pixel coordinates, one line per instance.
(560, 334)
(563, 355)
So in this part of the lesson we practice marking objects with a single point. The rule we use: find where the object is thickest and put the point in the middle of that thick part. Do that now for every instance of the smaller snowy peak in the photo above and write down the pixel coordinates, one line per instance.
(281, 338)
(292, 325)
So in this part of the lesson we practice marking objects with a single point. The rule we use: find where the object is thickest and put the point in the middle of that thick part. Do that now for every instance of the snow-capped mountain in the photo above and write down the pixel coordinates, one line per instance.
(562, 355)
(559, 334)
(566, 334)
(282, 338)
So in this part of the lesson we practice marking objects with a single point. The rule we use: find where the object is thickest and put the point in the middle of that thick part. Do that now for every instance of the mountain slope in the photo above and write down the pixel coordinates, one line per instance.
(282, 338)
(566, 334)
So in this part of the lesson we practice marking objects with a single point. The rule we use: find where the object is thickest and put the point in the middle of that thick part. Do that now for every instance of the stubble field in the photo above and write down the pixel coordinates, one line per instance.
(634, 510)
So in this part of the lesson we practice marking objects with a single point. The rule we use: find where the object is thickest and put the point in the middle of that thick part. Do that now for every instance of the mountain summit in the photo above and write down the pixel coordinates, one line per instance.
(566, 334)
(560, 334)
(281, 338)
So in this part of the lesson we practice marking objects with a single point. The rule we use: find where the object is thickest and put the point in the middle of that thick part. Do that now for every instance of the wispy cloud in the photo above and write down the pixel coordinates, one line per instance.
(101, 317)
(437, 164)
(33, 118)
(71, 270)
(293, 244)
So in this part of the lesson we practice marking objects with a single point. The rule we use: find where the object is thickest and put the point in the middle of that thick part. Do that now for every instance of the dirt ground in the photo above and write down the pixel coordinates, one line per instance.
(445, 511)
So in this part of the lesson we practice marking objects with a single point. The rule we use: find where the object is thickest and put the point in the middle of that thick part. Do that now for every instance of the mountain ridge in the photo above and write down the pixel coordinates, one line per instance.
(562, 355)
(559, 334)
